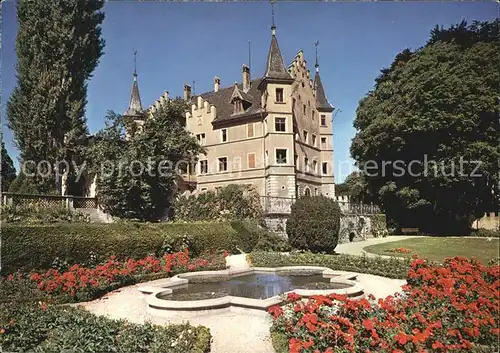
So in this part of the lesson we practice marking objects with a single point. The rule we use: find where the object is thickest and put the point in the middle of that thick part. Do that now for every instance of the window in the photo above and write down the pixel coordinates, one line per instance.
(314, 140)
(323, 120)
(222, 164)
(203, 189)
(280, 124)
(281, 156)
(183, 168)
(204, 167)
(238, 106)
(307, 192)
(251, 160)
(250, 130)
(296, 161)
(323, 143)
(306, 164)
(312, 114)
(305, 136)
(279, 95)
(315, 191)
(315, 167)
(201, 139)
(305, 109)
(325, 168)
(224, 135)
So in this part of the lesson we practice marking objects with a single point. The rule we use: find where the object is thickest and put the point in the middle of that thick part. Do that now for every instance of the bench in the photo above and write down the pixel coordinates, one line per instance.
(410, 230)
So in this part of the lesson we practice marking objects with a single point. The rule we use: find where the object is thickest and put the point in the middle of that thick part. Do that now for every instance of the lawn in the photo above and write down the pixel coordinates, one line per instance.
(437, 249)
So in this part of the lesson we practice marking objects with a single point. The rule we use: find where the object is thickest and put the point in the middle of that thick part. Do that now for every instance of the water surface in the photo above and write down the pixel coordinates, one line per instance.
(257, 286)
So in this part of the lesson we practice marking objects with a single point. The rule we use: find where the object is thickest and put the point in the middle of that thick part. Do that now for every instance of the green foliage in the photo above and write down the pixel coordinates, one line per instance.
(35, 247)
(58, 47)
(24, 185)
(60, 329)
(230, 202)
(279, 340)
(139, 179)
(35, 214)
(314, 224)
(486, 233)
(272, 242)
(387, 267)
(438, 103)
(379, 225)
(8, 172)
(357, 189)
(252, 236)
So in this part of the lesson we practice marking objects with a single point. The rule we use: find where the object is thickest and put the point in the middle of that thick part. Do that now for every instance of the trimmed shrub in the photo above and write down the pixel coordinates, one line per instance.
(388, 267)
(314, 224)
(229, 203)
(35, 247)
(486, 233)
(63, 329)
(272, 242)
(37, 214)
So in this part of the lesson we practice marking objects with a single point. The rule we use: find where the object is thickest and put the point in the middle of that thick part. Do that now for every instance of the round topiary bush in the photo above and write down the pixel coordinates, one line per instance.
(314, 224)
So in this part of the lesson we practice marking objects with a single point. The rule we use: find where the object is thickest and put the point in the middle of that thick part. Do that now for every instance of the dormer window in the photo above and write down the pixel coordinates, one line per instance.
(238, 106)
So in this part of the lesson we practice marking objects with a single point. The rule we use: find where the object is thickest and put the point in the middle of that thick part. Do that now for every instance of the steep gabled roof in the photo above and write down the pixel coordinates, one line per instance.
(135, 105)
(322, 103)
(275, 68)
(223, 97)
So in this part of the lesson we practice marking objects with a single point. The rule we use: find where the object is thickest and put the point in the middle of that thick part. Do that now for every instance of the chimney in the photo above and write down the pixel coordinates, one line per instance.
(246, 78)
(216, 83)
(187, 92)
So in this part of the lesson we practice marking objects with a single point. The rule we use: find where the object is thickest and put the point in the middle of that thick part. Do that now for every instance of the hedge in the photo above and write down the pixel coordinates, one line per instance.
(387, 267)
(64, 329)
(35, 247)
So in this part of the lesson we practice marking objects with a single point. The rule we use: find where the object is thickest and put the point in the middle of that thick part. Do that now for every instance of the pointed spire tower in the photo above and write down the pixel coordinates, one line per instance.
(322, 103)
(275, 66)
(134, 109)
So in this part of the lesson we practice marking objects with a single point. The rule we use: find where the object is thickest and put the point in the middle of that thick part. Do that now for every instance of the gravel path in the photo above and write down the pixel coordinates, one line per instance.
(231, 332)
(356, 248)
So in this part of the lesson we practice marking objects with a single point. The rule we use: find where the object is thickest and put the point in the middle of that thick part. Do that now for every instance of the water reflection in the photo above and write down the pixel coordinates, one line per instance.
(258, 286)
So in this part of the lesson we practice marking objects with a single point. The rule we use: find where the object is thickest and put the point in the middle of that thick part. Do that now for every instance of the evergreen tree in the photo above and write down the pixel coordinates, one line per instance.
(58, 47)
(440, 104)
(8, 171)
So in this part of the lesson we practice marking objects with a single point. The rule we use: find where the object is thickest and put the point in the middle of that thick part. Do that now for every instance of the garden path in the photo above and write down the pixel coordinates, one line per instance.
(356, 248)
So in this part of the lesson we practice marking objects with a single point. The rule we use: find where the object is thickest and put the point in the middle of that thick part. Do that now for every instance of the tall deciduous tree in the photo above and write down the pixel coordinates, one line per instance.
(58, 47)
(137, 173)
(430, 121)
(8, 171)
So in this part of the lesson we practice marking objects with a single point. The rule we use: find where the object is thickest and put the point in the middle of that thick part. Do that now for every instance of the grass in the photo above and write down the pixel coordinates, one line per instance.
(439, 248)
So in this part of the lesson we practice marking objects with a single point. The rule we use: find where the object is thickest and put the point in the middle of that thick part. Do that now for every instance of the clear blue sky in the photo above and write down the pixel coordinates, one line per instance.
(181, 42)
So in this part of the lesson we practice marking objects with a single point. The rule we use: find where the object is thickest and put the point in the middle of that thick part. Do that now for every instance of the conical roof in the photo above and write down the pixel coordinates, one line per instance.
(135, 105)
(321, 100)
(275, 68)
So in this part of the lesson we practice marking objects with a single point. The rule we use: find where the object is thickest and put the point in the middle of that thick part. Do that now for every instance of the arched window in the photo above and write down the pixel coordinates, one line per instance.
(307, 192)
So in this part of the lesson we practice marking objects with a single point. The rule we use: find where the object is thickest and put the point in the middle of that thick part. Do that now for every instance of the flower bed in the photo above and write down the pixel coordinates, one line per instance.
(443, 308)
(80, 283)
(400, 250)
(63, 329)
(392, 267)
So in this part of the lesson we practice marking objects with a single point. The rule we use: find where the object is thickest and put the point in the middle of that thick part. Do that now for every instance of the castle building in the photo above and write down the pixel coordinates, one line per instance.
(274, 132)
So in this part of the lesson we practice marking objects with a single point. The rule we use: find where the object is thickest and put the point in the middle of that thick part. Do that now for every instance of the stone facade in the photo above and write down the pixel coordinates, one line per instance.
(489, 221)
(274, 132)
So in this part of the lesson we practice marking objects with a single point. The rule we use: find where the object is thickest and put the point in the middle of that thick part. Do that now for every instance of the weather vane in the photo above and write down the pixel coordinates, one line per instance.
(316, 45)
(272, 10)
(135, 61)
